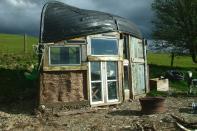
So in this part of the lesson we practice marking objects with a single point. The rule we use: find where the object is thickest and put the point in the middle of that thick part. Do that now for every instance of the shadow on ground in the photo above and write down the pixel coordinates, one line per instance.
(186, 110)
(126, 113)
(17, 94)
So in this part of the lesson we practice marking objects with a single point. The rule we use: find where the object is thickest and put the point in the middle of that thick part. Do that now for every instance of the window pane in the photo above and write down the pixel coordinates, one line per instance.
(65, 55)
(95, 71)
(111, 70)
(112, 90)
(104, 47)
(96, 92)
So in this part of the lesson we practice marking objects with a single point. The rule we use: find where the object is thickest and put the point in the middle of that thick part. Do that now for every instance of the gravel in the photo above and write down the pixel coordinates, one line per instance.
(126, 116)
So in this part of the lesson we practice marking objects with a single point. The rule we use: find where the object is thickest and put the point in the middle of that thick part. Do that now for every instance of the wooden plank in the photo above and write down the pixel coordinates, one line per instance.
(74, 39)
(137, 60)
(121, 42)
(65, 68)
(88, 82)
(107, 35)
(83, 53)
(46, 57)
(105, 58)
(75, 112)
(67, 105)
(131, 84)
(146, 68)
(120, 81)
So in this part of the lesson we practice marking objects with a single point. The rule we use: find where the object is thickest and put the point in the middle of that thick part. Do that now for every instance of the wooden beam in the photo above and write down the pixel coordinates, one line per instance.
(105, 58)
(64, 68)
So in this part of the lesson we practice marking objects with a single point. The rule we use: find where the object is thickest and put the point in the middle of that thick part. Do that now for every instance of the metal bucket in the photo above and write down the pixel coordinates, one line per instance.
(151, 105)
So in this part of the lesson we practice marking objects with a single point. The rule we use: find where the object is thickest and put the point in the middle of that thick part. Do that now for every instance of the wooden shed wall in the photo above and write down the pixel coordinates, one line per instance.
(63, 86)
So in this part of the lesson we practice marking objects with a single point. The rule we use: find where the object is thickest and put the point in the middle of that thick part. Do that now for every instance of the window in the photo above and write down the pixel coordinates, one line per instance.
(64, 55)
(104, 46)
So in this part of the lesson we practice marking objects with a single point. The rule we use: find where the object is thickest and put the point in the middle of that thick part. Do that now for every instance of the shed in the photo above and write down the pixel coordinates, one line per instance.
(89, 57)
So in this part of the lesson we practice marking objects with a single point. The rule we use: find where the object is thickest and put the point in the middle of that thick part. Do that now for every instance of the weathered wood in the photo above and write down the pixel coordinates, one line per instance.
(120, 81)
(79, 39)
(105, 58)
(184, 124)
(137, 60)
(65, 68)
(131, 84)
(146, 69)
(67, 105)
(121, 42)
(84, 53)
(109, 35)
(75, 112)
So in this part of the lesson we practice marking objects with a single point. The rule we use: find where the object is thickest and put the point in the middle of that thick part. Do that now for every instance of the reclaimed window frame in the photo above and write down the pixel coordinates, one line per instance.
(103, 38)
(64, 46)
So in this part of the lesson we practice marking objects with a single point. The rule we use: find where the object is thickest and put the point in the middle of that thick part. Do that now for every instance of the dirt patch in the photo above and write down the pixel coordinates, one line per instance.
(126, 116)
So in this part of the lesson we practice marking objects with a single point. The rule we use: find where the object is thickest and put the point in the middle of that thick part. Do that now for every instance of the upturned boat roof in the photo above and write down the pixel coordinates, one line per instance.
(60, 21)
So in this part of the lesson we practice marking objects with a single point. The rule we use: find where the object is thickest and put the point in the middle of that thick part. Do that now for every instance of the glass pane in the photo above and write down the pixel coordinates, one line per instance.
(104, 47)
(96, 92)
(112, 90)
(95, 71)
(65, 55)
(111, 70)
(54, 55)
(74, 55)
(126, 84)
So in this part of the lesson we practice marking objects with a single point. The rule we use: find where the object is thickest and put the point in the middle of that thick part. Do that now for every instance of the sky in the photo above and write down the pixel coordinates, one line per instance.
(23, 16)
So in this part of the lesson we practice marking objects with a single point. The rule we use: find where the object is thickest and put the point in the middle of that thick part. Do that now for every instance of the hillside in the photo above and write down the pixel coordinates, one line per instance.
(10, 43)
(164, 59)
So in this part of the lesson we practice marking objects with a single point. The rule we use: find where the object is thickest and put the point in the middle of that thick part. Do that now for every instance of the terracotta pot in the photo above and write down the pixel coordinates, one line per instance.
(152, 105)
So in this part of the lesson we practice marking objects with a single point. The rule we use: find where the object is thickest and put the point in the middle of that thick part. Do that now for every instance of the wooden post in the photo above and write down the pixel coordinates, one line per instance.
(24, 43)
(172, 59)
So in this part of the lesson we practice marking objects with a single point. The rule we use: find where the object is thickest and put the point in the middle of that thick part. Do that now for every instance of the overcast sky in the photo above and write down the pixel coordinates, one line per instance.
(23, 16)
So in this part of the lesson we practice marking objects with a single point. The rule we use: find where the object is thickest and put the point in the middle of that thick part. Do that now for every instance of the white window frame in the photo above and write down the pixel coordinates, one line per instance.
(116, 80)
(104, 84)
(49, 53)
(102, 38)
(90, 85)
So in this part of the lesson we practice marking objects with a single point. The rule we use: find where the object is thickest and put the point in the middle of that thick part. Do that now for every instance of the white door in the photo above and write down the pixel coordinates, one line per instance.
(103, 82)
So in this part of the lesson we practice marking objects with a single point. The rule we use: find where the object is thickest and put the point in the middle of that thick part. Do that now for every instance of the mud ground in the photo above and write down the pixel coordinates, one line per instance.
(125, 117)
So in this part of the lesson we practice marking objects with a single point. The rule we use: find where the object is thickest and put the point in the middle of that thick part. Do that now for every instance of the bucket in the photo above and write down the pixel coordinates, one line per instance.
(151, 105)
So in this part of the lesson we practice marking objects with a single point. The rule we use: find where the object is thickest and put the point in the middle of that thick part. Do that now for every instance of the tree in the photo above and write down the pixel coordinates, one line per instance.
(176, 23)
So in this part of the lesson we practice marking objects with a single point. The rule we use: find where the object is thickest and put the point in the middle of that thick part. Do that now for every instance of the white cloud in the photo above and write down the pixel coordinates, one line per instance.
(20, 3)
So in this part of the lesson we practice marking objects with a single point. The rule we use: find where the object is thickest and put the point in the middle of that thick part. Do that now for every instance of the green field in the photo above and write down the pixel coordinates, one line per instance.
(15, 43)
(165, 59)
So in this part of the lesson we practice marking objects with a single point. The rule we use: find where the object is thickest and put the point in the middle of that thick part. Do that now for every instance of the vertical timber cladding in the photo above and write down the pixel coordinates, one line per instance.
(138, 67)
(63, 86)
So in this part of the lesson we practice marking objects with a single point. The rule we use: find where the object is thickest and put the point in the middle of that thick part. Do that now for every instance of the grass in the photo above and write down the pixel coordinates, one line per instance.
(14, 86)
(15, 43)
(165, 59)
(13, 64)
(160, 63)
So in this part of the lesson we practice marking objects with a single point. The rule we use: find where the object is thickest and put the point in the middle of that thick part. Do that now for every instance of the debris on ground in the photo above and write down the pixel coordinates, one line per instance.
(126, 116)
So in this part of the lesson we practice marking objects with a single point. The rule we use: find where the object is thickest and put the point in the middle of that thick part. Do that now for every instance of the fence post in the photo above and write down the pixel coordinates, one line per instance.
(24, 43)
